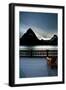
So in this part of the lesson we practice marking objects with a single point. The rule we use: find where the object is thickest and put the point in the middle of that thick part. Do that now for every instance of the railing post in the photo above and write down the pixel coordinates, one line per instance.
(47, 53)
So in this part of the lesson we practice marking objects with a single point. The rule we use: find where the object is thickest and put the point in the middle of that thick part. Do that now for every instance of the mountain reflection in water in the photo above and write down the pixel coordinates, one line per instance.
(36, 67)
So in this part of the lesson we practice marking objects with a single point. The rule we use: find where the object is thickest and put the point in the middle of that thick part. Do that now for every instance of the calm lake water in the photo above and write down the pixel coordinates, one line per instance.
(35, 67)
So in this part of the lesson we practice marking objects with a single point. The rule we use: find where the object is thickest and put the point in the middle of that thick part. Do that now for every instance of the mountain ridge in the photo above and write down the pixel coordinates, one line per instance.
(29, 38)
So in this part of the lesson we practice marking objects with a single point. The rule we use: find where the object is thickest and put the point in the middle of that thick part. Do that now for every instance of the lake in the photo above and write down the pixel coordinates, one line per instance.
(47, 47)
(35, 67)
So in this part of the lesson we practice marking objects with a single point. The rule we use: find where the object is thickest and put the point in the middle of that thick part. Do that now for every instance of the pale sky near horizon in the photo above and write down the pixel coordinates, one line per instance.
(43, 24)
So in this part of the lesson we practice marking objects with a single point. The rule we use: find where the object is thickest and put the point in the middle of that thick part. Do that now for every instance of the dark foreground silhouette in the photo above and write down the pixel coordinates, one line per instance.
(29, 39)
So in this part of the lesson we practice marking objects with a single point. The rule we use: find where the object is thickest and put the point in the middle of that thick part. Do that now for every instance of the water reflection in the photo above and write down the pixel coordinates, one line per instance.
(38, 47)
(35, 67)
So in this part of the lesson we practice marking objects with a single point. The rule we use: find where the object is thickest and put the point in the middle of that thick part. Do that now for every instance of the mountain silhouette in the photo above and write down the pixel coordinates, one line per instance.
(54, 40)
(29, 38)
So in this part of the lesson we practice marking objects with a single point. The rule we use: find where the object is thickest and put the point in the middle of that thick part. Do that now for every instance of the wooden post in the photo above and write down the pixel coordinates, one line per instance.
(47, 53)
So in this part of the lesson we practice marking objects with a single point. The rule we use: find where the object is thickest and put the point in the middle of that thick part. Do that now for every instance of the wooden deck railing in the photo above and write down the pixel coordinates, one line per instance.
(38, 53)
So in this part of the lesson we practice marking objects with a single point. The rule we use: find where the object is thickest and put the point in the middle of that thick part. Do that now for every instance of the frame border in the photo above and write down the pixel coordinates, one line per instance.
(12, 43)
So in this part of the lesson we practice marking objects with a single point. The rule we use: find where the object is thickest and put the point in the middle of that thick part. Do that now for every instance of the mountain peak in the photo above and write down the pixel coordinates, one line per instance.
(30, 30)
(55, 37)
(29, 38)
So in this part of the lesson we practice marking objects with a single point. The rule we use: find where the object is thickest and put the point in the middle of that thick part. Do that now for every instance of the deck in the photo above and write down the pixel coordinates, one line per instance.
(38, 51)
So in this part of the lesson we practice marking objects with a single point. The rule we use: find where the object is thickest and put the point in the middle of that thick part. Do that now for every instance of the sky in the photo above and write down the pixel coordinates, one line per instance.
(44, 25)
